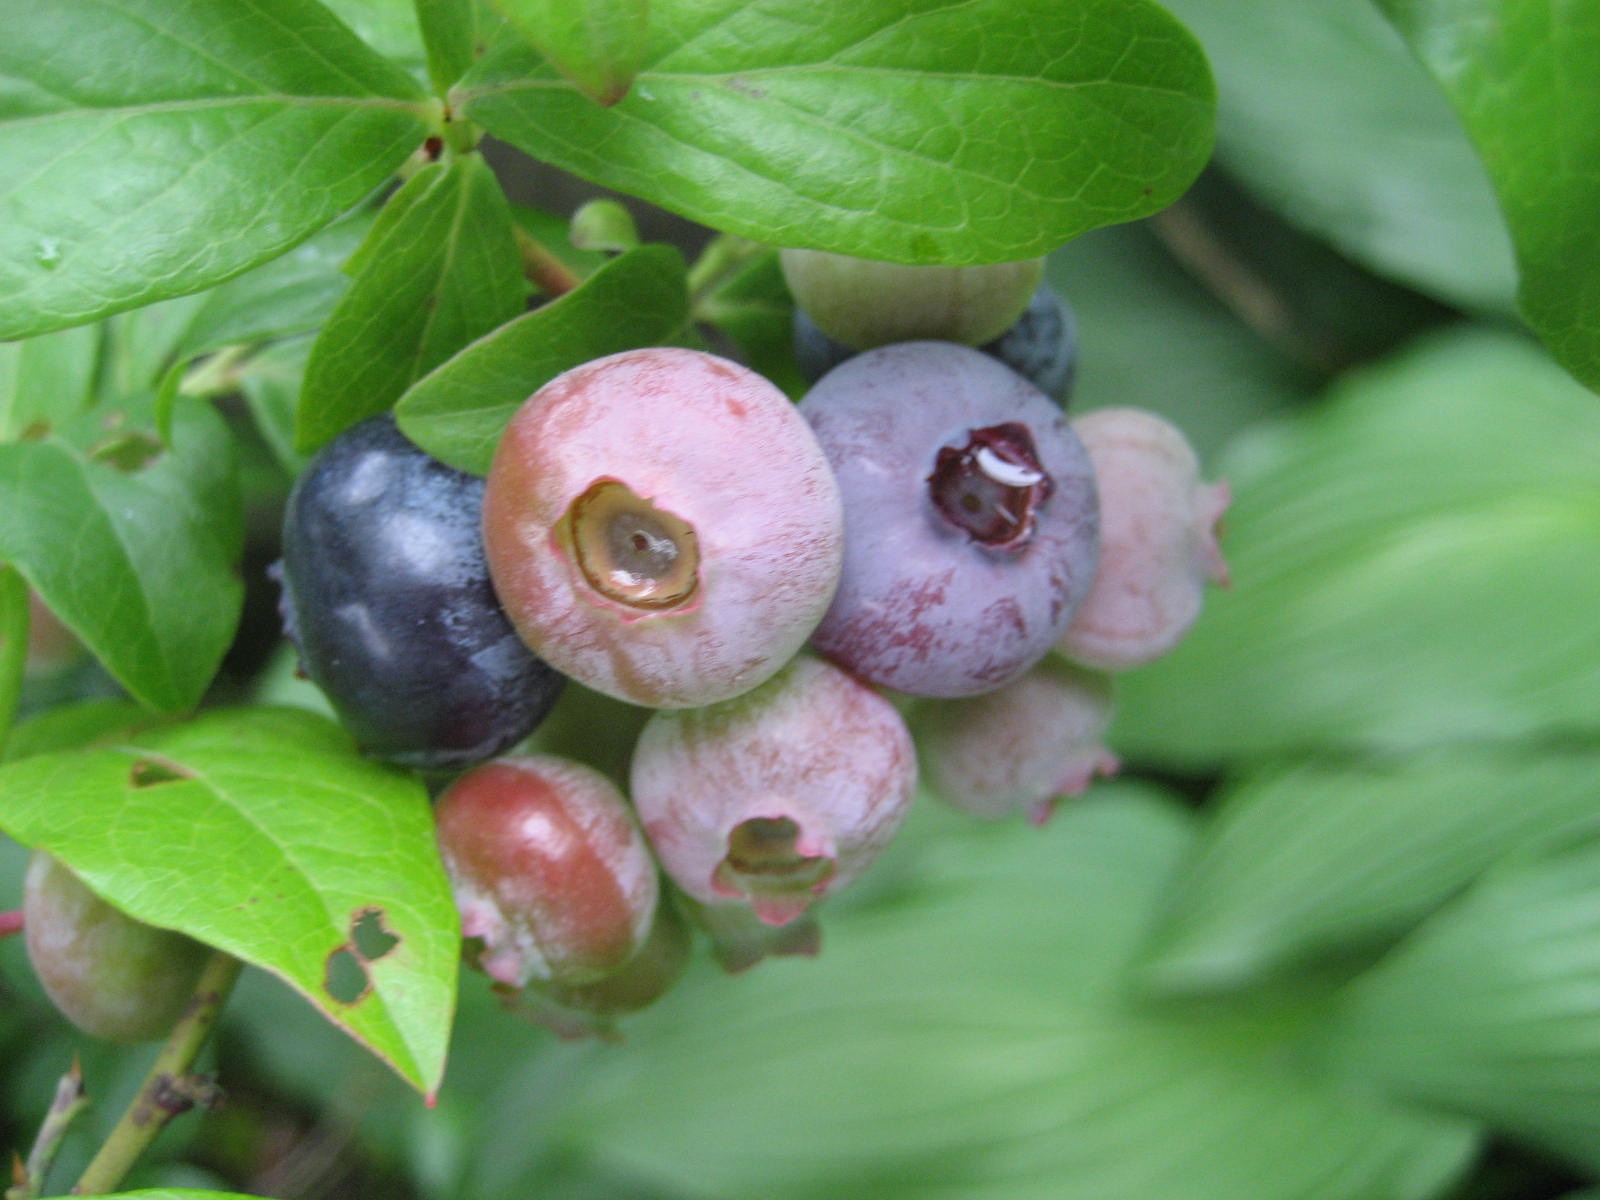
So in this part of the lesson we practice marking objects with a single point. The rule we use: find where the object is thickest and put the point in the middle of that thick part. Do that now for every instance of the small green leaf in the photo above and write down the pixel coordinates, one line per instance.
(459, 411)
(597, 44)
(1413, 564)
(46, 379)
(918, 131)
(1322, 859)
(1489, 1008)
(161, 146)
(1521, 74)
(1329, 121)
(133, 545)
(288, 840)
(750, 303)
(450, 32)
(971, 1037)
(439, 269)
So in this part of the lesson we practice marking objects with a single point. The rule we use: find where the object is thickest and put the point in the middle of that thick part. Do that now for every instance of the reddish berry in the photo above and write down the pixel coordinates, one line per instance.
(551, 874)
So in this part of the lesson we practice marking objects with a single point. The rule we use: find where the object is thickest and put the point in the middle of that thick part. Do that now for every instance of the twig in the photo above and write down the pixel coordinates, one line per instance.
(171, 1087)
(69, 1101)
(547, 272)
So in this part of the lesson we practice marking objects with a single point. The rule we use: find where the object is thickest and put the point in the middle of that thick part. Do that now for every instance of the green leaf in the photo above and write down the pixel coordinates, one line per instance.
(45, 379)
(291, 845)
(750, 303)
(391, 27)
(915, 131)
(172, 1194)
(161, 146)
(1489, 1008)
(292, 294)
(450, 32)
(1414, 564)
(597, 44)
(1520, 73)
(133, 545)
(969, 1037)
(1328, 119)
(74, 726)
(458, 412)
(439, 269)
(1322, 859)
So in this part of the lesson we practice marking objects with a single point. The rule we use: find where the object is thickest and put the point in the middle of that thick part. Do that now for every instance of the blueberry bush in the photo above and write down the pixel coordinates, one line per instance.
(465, 465)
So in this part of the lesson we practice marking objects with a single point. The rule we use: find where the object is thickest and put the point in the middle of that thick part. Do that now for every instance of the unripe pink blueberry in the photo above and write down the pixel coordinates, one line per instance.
(778, 797)
(1158, 541)
(551, 874)
(1021, 748)
(662, 526)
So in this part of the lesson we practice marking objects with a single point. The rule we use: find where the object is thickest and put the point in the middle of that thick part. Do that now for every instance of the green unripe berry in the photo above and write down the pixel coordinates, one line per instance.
(864, 303)
(110, 975)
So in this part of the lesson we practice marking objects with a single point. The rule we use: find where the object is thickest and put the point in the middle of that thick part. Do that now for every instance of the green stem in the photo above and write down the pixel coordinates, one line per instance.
(170, 1088)
(547, 272)
(68, 1103)
(13, 646)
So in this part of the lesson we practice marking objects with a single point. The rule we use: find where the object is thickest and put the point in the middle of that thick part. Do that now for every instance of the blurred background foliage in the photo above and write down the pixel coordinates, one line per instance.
(1334, 933)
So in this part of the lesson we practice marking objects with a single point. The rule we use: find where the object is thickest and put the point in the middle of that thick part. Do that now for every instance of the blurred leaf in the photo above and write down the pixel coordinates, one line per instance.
(597, 44)
(751, 305)
(271, 382)
(970, 1039)
(449, 29)
(458, 412)
(915, 131)
(1324, 858)
(73, 726)
(290, 839)
(1489, 1008)
(1413, 564)
(174, 143)
(1328, 119)
(1148, 334)
(439, 269)
(142, 344)
(1521, 74)
(133, 544)
(46, 378)
(391, 27)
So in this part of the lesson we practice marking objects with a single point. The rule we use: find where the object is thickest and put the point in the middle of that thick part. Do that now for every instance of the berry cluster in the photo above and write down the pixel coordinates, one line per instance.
(924, 555)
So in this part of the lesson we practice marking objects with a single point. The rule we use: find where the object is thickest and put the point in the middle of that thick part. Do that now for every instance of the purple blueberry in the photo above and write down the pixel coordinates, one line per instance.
(971, 519)
(387, 594)
(1042, 346)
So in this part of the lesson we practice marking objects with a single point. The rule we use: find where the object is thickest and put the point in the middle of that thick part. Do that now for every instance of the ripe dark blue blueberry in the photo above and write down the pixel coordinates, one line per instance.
(971, 518)
(386, 593)
(1042, 346)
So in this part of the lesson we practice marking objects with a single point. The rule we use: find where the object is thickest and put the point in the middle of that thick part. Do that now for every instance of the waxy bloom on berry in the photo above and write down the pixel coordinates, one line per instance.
(1158, 541)
(778, 797)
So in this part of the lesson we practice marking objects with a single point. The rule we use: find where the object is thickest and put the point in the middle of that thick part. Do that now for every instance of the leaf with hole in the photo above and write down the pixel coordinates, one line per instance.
(297, 856)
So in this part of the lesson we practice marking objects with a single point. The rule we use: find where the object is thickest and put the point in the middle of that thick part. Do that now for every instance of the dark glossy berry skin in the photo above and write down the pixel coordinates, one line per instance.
(112, 976)
(1042, 346)
(387, 594)
(971, 519)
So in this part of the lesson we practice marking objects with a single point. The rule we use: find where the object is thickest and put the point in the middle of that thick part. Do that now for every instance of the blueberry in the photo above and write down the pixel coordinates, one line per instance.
(971, 518)
(865, 303)
(1042, 346)
(662, 526)
(778, 797)
(387, 594)
(1159, 546)
(549, 869)
(110, 975)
